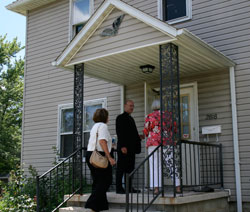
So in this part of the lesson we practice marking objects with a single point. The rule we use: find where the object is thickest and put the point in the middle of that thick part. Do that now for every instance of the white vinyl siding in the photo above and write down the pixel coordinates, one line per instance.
(225, 25)
(46, 87)
(131, 34)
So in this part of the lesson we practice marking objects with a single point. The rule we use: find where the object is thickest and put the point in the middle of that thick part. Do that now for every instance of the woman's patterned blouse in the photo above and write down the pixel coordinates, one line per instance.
(152, 129)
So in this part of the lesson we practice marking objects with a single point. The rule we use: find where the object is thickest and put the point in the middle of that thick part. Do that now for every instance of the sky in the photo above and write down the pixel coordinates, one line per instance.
(12, 24)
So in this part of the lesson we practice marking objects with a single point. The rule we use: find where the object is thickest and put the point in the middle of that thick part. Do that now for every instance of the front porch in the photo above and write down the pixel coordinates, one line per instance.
(201, 183)
(216, 201)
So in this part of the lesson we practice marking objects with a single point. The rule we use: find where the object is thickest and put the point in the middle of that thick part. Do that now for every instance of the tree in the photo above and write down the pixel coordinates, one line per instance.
(11, 96)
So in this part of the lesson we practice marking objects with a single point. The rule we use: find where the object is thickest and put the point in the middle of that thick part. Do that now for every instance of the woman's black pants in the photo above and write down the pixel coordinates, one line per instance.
(102, 179)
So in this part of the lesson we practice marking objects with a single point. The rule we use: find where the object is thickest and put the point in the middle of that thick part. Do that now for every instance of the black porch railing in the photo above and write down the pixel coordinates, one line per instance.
(200, 165)
(147, 196)
(62, 179)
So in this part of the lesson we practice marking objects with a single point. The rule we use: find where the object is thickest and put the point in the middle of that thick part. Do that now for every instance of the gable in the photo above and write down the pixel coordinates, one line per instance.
(132, 34)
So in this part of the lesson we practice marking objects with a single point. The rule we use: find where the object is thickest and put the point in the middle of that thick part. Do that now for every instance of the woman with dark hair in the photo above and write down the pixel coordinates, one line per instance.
(102, 178)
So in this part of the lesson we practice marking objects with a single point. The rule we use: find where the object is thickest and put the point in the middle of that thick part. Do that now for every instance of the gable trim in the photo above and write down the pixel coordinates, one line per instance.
(97, 19)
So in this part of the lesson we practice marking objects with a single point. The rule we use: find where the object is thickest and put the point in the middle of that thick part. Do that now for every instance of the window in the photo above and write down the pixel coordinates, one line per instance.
(174, 11)
(81, 12)
(89, 110)
(185, 117)
(65, 131)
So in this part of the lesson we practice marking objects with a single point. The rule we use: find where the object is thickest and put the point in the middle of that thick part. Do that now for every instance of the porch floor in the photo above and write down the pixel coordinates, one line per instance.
(188, 201)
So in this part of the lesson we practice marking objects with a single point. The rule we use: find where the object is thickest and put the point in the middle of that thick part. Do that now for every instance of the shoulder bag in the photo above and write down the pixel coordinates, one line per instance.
(96, 159)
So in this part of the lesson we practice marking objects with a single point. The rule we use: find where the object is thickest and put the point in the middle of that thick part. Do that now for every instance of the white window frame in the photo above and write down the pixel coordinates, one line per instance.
(103, 101)
(177, 20)
(61, 107)
(71, 10)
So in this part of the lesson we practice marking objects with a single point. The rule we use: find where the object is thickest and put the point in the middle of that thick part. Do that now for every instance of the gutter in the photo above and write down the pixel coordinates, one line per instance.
(235, 139)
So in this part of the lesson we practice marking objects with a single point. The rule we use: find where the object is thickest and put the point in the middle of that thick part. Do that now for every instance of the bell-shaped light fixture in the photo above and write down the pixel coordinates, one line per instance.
(147, 69)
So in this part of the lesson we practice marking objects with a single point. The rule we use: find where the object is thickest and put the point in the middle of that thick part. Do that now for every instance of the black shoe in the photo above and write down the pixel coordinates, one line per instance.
(120, 191)
(134, 191)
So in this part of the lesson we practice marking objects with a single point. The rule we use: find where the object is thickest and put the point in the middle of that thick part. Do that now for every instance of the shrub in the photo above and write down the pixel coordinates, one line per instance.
(16, 195)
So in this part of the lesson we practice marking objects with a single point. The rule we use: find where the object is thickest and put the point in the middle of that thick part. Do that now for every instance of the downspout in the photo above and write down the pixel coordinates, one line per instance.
(235, 140)
(24, 90)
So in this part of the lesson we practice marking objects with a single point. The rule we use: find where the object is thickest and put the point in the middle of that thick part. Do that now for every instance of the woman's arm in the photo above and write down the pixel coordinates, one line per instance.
(103, 144)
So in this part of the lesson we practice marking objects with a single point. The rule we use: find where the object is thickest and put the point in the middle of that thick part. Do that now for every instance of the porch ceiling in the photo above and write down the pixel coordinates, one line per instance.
(195, 57)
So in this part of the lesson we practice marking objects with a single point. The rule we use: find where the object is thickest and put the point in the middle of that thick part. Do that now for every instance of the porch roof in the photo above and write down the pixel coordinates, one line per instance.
(22, 6)
(122, 67)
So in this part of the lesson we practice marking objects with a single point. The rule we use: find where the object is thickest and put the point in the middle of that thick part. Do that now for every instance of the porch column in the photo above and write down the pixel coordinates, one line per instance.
(170, 110)
(78, 124)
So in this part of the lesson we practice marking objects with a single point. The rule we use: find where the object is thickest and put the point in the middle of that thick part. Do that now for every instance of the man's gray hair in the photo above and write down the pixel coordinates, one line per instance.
(156, 105)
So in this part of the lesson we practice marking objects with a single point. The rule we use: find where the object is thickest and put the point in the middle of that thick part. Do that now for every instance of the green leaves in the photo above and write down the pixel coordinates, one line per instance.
(11, 102)
(17, 193)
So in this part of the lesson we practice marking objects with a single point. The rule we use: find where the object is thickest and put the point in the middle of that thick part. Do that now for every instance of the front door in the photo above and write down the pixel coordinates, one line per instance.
(189, 123)
(188, 105)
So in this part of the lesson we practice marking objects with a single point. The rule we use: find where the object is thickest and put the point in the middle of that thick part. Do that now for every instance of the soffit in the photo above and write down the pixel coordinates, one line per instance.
(22, 6)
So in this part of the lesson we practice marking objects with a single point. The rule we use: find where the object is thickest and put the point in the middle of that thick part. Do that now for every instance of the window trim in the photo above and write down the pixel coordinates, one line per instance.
(103, 101)
(58, 146)
(71, 26)
(177, 20)
(189, 121)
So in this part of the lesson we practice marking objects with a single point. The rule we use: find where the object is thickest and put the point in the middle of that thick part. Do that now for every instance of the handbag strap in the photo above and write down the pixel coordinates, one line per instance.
(97, 136)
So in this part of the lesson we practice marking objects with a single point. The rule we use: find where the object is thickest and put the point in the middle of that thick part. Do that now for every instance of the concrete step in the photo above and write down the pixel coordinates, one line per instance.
(80, 209)
(117, 202)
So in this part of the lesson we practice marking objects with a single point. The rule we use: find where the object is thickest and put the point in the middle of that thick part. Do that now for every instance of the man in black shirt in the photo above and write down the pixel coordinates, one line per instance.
(129, 144)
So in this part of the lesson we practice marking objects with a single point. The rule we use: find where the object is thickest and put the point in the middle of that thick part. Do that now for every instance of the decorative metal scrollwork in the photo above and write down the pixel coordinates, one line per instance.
(78, 124)
(170, 105)
(78, 106)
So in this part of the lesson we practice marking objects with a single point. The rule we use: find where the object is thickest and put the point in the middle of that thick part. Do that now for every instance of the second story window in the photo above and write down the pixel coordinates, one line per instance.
(174, 11)
(81, 12)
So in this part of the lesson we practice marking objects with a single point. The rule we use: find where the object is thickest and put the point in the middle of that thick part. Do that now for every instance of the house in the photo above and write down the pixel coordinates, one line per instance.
(213, 42)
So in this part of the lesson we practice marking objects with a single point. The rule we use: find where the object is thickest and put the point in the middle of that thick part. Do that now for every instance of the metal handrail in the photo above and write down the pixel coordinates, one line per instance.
(57, 177)
(205, 169)
(130, 175)
(143, 162)
(63, 161)
(200, 143)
